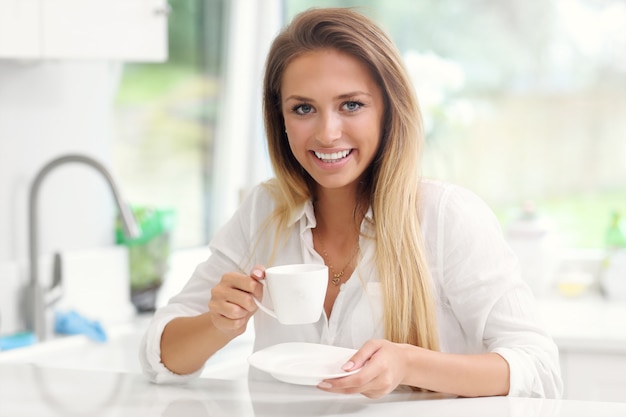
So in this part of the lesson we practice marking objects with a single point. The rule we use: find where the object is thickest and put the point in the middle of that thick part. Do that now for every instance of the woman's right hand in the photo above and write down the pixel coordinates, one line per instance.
(187, 342)
(232, 303)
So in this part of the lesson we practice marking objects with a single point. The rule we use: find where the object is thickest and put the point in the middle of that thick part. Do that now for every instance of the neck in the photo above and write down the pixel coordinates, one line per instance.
(335, 210)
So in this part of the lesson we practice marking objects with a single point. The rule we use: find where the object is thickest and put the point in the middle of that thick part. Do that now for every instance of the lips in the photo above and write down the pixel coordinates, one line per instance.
(332, 157)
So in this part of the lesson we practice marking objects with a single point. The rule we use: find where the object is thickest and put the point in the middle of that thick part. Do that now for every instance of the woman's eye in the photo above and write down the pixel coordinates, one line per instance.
(352, 105)
(302, 109)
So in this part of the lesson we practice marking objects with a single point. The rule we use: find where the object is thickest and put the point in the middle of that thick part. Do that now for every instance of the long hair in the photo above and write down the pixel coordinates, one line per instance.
(391, 183)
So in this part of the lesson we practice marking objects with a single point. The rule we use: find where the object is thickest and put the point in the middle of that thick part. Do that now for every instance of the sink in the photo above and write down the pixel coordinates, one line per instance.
(120, 352)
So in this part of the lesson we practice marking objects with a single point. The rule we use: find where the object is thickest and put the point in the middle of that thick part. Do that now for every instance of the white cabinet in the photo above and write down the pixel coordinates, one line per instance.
(594, 376)
(591, 334)
(19, 28)
(125, 30)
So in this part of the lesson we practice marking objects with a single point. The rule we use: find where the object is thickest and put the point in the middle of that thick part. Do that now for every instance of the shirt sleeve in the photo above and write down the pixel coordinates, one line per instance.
(494, 306)
(230, 250)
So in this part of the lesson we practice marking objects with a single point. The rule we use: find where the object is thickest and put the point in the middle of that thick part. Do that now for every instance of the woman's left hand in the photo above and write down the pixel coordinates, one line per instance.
(383, 365)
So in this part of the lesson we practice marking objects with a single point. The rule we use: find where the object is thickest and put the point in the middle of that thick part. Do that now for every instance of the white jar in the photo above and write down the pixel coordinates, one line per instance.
(613, 277)
(534, 241)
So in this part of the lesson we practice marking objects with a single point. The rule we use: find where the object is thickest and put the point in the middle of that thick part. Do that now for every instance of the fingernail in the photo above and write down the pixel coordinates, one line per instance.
(348, 366)
(257, 273)
(324, 385)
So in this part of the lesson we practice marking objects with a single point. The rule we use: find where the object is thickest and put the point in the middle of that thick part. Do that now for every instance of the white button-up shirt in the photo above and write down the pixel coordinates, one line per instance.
(482, 303)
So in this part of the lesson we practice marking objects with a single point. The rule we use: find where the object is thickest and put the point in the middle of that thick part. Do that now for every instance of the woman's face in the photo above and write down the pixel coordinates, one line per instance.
(333, 113)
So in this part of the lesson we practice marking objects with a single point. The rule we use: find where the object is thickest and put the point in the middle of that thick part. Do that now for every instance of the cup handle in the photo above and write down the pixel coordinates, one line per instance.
(262, 307)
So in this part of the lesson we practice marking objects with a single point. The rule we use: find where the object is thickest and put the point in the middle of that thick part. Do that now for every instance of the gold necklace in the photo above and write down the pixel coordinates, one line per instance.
(336, 279)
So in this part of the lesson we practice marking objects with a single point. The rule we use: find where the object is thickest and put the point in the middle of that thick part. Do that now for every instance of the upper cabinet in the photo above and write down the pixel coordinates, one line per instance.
(124, 30)
(20, 32)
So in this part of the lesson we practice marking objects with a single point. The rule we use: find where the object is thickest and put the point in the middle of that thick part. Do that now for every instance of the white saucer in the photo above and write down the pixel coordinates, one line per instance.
(302, 363)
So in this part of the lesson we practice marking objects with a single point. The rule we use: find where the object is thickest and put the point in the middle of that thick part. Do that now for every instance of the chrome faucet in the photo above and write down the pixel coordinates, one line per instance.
(39, 299)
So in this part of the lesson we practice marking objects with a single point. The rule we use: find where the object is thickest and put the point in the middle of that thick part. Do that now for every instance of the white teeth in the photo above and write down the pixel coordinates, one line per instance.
(332, 157)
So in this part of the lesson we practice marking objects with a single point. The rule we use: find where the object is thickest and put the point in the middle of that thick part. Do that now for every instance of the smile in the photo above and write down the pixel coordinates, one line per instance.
(332, 157)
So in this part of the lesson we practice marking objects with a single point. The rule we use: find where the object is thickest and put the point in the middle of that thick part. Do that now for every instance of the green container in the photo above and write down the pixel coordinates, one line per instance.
(148, 254)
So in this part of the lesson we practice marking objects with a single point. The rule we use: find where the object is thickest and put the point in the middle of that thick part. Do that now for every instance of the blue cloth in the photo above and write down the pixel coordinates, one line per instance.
(72, 323)
(17, 340)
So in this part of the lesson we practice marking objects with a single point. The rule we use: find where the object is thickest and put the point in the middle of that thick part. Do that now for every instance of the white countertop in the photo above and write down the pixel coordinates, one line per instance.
(32, 390)
(588, 323)
(74, 376)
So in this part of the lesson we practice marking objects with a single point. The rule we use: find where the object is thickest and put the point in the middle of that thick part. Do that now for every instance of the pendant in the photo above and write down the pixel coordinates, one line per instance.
(335, 280)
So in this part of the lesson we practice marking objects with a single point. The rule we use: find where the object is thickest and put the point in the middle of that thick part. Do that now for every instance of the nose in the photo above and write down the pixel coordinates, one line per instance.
(329, 128)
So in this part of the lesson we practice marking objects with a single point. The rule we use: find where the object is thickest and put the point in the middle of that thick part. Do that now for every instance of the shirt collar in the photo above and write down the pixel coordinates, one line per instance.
(369, 215)
(305, 212)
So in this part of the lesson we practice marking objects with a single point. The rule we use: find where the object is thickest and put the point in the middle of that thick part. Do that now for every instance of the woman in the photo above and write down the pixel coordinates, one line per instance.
(420, 278)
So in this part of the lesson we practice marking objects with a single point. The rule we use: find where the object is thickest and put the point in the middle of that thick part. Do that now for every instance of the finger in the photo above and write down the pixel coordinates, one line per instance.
(258, 272)
(240, 305)
(360, 358)
(234, 292)
(246, 284)
(351, 383)
(372, 389)
(229, 307)
(240, 281)
(370, 385)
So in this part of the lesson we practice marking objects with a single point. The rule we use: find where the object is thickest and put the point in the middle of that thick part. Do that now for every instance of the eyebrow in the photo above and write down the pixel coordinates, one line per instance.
(339, 97)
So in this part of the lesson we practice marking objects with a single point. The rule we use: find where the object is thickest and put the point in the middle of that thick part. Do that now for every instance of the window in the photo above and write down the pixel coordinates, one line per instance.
(189, 133)
(166, 116)
(523, 101)
(521, 104)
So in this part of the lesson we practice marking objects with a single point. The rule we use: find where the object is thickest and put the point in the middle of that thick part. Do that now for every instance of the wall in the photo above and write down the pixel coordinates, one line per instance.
(48, 109)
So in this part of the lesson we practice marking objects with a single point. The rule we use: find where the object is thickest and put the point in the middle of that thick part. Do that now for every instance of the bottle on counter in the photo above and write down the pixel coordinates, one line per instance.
(613, 275)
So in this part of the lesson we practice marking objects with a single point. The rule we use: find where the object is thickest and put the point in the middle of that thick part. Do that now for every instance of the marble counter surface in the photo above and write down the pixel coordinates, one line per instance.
(33, 390)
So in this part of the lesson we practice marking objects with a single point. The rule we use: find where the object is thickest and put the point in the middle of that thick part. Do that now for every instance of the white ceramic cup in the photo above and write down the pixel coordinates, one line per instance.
(297, 292)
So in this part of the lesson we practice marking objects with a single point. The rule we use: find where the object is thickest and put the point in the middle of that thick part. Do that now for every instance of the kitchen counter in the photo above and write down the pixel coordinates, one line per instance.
(588, 323)
(74, 376)
(33, 390)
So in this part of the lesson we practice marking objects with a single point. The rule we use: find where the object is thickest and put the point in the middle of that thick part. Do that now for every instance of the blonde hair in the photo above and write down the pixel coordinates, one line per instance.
(390, 185)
